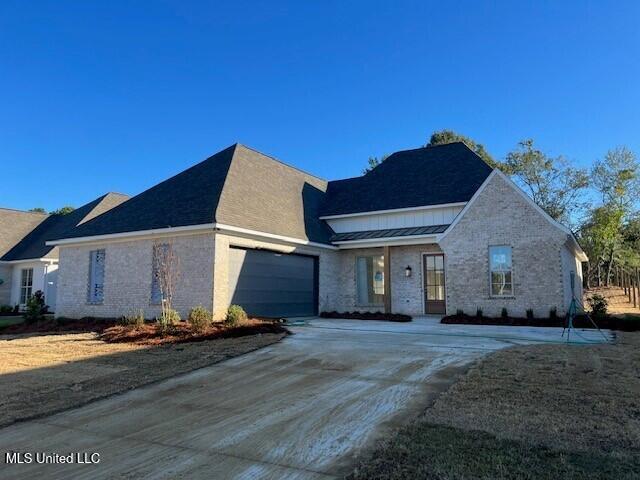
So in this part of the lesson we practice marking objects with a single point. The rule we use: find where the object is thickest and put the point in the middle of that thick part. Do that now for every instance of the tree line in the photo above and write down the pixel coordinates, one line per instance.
(600, 203)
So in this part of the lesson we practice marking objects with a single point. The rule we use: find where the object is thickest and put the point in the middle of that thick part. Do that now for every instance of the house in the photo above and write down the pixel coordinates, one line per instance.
(429, 231)
(27, 263)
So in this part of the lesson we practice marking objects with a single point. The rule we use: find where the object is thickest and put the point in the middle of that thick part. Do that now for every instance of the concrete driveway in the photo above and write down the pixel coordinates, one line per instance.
(301, 409)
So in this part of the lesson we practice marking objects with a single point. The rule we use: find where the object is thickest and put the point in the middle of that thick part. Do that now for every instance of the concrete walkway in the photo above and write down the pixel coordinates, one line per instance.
(301, 409)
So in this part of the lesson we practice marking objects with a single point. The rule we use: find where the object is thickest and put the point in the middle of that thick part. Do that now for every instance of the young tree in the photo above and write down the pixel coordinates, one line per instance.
(166, 268)
(553, 183)
(601, 237)
(445, 136)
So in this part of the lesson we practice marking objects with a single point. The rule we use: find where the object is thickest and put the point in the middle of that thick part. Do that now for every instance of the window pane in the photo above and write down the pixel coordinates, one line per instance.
(370, 280)
(439, 262)
(96, 276)
(500, 270)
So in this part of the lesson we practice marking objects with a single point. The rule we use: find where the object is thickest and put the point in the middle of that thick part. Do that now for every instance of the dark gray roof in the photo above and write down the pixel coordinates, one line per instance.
(15, 225)
(33, 245)
(237, 186)
(391, 232)
(412, 178)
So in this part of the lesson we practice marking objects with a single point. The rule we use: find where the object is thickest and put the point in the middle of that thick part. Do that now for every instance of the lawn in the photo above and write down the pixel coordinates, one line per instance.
(530, 412)
(44, 373)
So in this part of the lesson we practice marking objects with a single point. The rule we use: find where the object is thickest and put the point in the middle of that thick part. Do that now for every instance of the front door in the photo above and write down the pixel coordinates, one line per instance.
(433, 268)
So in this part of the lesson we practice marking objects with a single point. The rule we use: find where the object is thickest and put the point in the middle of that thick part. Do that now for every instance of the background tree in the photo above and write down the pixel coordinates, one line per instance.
(443, 137)
(373, 162)
(38, 210)
(617, 178)
(551, 182)
(63, 211)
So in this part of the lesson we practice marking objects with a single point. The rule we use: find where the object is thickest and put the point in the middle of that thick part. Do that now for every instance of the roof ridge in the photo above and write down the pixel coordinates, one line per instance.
(24, 211)
(292, 167)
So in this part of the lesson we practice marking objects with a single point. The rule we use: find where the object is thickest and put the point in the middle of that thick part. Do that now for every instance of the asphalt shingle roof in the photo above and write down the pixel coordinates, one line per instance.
(33, 245)
(237, 186)
(441, 174)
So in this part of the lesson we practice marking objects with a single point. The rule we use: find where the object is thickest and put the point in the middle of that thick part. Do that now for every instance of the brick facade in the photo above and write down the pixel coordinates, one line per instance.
(501, 216)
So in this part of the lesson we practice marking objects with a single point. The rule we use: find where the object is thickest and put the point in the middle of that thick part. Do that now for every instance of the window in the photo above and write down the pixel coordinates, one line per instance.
(370, 280)
(159, 256)
(26, 285)
(501, 276)
(96, 276)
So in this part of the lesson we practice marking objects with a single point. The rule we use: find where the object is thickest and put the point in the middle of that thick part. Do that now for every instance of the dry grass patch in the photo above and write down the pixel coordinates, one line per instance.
(543, 411)
(42, 374)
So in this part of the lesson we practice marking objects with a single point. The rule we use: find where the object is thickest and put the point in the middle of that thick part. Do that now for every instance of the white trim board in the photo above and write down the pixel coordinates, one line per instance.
(186, 230)
(393, 210)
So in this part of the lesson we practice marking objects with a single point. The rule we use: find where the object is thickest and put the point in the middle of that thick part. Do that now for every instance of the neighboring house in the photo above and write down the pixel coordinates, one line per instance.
(27, 264)
(430, 230)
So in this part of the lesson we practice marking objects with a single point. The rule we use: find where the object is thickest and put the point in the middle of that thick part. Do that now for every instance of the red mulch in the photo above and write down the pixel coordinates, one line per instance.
(390, 317)
(181, 333)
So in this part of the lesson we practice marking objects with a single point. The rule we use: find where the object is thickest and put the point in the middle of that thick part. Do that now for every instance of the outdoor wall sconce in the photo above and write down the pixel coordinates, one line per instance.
(407, 271)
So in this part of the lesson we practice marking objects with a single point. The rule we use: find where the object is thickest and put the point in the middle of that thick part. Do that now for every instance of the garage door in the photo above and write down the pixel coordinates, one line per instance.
(270, 284)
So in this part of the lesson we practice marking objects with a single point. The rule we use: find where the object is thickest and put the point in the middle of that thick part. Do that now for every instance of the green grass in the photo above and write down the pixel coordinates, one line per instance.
(427, 451)
(6, 321)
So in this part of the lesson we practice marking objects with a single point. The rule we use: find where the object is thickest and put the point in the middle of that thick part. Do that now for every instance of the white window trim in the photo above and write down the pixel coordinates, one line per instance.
(28, 287)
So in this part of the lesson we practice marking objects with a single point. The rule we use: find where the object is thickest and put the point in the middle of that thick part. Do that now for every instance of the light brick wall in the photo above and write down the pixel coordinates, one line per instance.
(406, 292)
(128, 274)
(327, 268)
(500, 216)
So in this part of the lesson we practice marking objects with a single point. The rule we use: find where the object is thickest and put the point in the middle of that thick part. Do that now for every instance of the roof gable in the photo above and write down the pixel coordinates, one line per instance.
(441, 174)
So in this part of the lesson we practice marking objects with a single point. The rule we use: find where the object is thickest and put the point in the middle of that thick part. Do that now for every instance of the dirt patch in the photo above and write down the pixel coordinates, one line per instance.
(542, 411)
(50, 325)
(42, 374)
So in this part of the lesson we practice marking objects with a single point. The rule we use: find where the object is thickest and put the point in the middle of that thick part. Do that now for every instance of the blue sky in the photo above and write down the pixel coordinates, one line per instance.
(116, 96)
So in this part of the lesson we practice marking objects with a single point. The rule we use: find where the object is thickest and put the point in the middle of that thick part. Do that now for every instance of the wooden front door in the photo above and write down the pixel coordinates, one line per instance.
(433, 278)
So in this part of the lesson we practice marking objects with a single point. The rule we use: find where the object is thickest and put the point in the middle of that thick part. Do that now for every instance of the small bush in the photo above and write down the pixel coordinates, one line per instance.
(459, 312)
(235, 316)
(166, 321)
(530, 314)
(134, 319)
(598, 305)
(504, 313)
(553, 314)
(479, 312)
(6, 309)
(36, 307)
(199, 318)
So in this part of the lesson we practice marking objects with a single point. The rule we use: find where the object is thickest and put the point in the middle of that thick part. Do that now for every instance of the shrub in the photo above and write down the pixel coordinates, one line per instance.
(235, 316)
(199, 318)
(598, 305)
(134, 319)
(459, 312)
(479, 312)
(553, 313)
(504, 313)
(166, 321)
(36, 307)
(530, 314)
(6, 309)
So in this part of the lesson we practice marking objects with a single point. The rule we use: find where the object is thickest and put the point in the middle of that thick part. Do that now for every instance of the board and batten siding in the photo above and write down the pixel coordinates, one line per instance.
(382, 221)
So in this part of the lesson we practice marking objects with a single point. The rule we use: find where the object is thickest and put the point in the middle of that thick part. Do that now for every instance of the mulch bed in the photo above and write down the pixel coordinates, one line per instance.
(390, 317)
(180, 333)
(626, 323)
(60, 325)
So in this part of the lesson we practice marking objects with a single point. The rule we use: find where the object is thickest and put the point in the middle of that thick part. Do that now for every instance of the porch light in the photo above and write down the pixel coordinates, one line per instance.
(407, 271)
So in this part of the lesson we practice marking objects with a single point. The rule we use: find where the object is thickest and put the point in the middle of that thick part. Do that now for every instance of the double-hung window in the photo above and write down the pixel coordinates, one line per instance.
(370, 280)
(96, 276)
(26, 285)
(500, 271)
